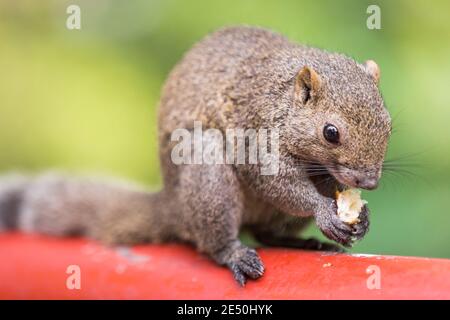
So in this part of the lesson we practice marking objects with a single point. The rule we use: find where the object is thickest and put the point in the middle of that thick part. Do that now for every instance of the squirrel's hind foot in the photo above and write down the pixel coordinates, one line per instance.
(247, 265)
(244, 262)
(297, 243)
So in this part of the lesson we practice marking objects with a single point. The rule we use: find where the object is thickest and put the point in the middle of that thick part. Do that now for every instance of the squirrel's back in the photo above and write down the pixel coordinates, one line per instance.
(245, 67)
(211, 72)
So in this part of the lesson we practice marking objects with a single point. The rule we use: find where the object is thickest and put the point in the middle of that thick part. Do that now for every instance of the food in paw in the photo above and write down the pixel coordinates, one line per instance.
(349, 205)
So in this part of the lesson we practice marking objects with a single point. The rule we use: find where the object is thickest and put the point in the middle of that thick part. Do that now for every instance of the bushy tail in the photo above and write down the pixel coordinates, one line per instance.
(12, 189)
(103, 209)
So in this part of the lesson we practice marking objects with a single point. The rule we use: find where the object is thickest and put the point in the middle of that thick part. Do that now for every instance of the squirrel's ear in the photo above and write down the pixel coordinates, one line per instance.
(307, 84)
(373, 70)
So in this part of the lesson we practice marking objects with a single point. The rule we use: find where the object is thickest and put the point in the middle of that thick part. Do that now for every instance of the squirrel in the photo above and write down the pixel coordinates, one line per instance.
(333, 134)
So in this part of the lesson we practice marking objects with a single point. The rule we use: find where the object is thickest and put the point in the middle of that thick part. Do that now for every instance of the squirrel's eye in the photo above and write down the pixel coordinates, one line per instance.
(331, 134)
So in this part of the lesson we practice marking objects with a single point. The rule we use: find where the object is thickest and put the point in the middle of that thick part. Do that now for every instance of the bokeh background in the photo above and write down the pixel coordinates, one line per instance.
(85, 100)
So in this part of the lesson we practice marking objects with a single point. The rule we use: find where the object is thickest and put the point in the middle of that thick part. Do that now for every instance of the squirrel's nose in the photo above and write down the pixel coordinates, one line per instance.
(368, 183)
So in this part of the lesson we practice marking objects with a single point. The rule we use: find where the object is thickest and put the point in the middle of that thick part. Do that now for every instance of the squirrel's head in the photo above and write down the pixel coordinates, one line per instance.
(338, 120)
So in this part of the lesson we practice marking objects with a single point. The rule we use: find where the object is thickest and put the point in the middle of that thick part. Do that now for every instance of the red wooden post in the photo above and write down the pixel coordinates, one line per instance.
(35, 267)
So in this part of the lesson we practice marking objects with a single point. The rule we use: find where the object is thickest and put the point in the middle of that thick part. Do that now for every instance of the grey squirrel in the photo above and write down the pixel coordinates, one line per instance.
(334, 130)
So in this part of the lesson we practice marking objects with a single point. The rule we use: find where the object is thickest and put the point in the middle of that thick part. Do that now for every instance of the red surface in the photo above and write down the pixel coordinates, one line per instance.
(34, 267)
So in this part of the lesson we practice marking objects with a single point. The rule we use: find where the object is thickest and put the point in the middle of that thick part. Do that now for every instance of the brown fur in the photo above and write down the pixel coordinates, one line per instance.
(238, 77)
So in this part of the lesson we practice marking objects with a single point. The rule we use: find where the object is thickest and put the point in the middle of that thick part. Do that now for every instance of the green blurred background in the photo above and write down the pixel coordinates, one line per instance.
(85, 100)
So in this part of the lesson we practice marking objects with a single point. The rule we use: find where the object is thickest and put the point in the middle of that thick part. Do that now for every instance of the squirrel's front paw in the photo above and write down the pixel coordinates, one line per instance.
(334, 228)
(245, 263)
(362, 227)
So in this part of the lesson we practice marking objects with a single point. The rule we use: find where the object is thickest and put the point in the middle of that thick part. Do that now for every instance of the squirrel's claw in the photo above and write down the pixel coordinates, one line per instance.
(334, 228)
(246, 264)
(362, 227)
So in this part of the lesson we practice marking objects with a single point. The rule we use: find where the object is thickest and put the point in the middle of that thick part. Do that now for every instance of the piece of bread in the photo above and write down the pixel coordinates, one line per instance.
(349, 204)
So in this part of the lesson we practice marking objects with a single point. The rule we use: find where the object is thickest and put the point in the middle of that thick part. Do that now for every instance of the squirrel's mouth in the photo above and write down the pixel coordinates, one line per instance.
(339, 177)
(342, 179)
(364, 179)
(325, 182)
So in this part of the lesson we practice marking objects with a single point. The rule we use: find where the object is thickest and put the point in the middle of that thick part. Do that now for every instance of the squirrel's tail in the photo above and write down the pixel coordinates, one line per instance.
(12, 189)
(107, 210)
